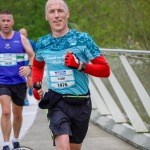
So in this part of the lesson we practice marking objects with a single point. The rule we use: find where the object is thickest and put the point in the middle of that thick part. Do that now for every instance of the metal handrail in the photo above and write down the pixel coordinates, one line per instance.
(124, 51)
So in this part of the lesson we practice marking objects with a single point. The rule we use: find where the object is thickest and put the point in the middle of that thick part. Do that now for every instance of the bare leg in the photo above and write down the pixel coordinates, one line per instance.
(17, 121)
(62, 142)
(75, 146)
(5, 101)
(30, 84)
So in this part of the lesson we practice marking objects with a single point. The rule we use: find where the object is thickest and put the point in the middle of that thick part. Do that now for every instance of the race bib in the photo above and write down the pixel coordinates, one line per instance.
(9, 59)
(62, 78)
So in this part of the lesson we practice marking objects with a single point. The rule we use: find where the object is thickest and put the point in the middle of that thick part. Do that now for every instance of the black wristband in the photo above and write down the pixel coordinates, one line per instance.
(37, 87)
(30, 66)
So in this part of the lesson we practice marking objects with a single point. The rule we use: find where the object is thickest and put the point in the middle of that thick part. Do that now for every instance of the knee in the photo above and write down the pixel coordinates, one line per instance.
(6, 112)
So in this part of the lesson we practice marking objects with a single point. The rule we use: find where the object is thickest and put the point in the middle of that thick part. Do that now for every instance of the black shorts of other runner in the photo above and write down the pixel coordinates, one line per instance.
(17, 92)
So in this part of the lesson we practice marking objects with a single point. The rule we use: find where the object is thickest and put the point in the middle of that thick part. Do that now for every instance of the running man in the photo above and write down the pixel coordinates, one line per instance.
(66, 53)
(13, 50)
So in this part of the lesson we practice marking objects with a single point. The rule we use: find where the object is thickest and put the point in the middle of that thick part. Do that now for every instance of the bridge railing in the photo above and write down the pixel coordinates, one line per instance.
(125, 94)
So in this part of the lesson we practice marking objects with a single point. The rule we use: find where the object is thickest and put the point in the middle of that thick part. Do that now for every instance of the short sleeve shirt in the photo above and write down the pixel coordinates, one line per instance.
(61, 78)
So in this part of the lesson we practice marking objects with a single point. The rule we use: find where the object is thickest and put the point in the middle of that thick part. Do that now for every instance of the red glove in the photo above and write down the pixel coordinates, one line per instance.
(36, 87)
(72, 61)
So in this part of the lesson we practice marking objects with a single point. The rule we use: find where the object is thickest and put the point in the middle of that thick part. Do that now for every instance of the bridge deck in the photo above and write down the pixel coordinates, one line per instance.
(38, 137)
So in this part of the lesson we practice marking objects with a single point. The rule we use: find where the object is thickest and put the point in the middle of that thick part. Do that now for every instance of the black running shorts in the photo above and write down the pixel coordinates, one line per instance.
(70, 119)
(17, 92)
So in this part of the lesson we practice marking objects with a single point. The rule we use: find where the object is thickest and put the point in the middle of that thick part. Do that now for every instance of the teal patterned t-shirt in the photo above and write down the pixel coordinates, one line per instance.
(61, 78)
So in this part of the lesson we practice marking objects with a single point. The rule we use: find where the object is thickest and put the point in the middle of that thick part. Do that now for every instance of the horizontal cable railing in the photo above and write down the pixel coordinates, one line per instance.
(125, 51)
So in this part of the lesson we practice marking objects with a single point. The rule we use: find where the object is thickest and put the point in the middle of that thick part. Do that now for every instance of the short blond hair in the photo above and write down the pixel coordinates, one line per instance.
(66, 6)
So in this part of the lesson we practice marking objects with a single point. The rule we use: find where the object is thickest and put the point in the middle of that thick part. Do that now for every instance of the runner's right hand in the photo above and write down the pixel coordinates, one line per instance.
(37, 91)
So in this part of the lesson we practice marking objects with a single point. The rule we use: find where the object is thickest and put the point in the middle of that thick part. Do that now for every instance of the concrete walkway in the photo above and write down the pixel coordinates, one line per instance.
(38, 137)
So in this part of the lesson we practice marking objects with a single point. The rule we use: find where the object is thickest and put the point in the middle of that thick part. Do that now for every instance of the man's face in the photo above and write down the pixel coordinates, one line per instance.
(57, 15)
(6, 23)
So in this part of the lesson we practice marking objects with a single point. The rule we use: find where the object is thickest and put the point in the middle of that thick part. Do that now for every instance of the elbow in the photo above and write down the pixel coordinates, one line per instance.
(107, 72)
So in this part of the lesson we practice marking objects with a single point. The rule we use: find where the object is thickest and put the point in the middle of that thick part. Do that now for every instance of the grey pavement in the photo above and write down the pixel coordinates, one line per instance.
(39, 137)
